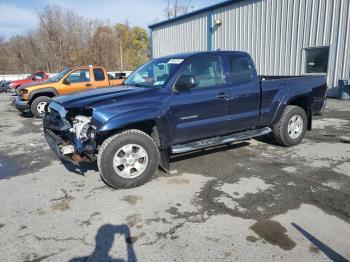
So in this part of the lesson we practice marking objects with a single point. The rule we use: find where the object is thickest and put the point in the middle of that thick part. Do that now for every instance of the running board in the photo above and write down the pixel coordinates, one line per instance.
(220, 140)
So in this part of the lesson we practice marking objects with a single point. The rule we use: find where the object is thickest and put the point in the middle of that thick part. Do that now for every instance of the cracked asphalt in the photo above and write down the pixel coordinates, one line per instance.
(250, 201)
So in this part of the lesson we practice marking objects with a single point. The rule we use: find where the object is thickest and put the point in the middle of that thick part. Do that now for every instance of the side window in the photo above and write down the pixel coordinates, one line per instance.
(240, 69)
(82, 75)
(99, 74)
(206, 71)
(39, 75)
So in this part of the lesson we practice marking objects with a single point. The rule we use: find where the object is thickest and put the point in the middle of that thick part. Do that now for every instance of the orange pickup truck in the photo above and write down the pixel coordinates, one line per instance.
(35, 96)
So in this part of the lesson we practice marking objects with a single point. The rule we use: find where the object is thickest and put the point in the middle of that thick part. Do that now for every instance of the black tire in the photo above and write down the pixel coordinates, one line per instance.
(35, 103)
(280, 129)
(114, 143)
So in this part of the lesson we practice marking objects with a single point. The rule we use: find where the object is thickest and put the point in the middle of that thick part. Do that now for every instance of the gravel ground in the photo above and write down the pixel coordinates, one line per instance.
(251, 201)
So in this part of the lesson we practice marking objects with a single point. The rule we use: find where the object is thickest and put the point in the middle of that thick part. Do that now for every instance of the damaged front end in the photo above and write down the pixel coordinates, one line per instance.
(70, 134)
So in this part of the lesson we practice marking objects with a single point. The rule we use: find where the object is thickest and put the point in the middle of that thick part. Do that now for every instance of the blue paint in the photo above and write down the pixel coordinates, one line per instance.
(210, 31)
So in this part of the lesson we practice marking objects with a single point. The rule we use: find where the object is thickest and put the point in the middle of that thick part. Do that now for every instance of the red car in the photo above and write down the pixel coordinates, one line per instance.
(36, 76)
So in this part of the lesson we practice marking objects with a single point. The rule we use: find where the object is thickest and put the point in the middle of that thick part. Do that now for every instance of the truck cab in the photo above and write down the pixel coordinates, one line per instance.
(177, 104)
(37, 76)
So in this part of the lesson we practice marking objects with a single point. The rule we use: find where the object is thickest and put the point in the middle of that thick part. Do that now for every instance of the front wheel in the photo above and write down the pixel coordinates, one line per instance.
(38, 106)
(290, 129)
(128, 159)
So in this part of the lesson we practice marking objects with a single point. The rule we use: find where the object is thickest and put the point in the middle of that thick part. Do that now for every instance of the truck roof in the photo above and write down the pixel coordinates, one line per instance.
(190, 54)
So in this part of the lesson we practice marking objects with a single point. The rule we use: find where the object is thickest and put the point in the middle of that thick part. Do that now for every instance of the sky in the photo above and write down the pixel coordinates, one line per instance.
(20, 16)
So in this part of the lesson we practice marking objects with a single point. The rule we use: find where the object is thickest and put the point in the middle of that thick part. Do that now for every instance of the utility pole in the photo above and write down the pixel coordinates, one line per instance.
(121, 55)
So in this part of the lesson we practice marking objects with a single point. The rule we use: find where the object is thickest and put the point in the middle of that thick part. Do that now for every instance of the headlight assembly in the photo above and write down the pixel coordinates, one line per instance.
(83, 129)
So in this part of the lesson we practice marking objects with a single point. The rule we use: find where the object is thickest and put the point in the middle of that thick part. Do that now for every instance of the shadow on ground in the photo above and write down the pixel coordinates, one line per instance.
(104, 242)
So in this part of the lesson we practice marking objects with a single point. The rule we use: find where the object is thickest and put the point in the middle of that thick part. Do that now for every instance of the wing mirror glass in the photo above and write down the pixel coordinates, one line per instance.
(185, 82)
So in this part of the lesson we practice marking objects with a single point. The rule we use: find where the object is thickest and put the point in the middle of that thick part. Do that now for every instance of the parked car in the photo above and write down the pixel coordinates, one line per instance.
(35, 96)
(4, 86)
(37, 76)
(178, 104)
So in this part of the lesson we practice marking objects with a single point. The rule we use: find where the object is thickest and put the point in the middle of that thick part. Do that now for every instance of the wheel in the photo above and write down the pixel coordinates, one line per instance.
(290, 129)
(38, 106)
(128, 159)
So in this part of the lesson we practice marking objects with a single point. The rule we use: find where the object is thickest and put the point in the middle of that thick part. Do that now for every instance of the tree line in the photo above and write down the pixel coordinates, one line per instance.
(63, 38)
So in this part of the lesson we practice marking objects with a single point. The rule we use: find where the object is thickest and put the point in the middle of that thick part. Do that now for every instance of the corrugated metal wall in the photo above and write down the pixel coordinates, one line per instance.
(274, 32)
(182, 36)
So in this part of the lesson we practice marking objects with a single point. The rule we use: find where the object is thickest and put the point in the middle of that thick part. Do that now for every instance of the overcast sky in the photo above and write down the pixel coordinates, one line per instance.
(19, 16)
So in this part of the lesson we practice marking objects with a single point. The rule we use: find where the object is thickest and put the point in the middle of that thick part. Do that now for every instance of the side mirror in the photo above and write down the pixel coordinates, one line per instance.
(66, 81)
(185, 82)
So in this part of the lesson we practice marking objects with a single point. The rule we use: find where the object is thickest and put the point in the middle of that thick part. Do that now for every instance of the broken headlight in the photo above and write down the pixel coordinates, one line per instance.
(83, 129)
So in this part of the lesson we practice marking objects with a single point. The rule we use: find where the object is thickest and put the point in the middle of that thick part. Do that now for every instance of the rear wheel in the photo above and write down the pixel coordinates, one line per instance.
(290, 129)
(38, 106)
(128, 159)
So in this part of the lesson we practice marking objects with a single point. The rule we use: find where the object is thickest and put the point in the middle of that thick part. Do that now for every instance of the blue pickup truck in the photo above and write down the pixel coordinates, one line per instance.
(178, 104)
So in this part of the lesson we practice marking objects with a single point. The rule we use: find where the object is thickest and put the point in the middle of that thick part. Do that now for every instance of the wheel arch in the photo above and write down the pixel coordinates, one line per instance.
(302, 100)
(49, 92)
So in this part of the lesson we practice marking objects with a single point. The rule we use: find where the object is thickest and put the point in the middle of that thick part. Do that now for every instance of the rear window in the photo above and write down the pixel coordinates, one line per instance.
(99, 75)
(240, 69)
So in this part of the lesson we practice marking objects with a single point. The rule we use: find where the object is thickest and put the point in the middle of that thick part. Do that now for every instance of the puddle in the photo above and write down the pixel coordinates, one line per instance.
(8, 167)
(274, 233)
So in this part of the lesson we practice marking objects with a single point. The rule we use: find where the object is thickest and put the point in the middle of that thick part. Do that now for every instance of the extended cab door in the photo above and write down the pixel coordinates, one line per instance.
(100, 77)
(77, 80)
(201, 111)
(244, 105)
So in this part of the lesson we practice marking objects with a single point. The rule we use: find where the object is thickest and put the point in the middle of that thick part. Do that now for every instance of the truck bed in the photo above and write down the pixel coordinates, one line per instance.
(275, 88)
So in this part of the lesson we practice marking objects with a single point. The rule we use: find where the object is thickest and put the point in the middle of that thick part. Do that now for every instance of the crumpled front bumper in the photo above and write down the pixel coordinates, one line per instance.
(55, 143)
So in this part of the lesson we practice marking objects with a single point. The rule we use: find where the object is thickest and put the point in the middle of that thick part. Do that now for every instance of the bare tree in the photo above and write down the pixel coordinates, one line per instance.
(176, 8)
(63, 38)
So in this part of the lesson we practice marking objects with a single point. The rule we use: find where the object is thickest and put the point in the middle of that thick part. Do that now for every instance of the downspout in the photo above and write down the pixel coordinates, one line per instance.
(151, 41)
(210, 31)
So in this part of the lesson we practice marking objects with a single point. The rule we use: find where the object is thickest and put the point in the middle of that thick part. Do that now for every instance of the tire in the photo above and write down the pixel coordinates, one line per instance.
(293, 136)
(114, 151)
(37, 104)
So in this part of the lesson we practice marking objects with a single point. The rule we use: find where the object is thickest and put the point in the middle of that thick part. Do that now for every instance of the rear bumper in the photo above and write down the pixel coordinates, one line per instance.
(21, 105)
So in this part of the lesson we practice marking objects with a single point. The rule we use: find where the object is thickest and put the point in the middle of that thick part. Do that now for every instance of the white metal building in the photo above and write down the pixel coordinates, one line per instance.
(284, 37)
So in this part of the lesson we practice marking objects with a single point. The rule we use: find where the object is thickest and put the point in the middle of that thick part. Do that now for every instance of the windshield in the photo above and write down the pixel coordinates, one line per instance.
(154, 73)
(59, 75)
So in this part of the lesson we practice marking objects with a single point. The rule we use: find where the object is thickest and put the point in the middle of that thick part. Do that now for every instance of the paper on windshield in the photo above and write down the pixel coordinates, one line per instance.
(175, 61)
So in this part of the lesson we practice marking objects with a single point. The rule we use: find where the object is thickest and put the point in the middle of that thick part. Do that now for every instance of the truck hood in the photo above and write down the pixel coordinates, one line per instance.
(33, 85)
(96, 96)
(22, 81)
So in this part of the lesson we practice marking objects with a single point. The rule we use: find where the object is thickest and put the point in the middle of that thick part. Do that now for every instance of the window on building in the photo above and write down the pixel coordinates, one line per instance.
(206, 71)
(99, 75)
(240, 69)
(316, 59)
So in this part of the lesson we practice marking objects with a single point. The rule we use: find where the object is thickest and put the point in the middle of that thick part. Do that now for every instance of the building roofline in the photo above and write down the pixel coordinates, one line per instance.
(199, 11)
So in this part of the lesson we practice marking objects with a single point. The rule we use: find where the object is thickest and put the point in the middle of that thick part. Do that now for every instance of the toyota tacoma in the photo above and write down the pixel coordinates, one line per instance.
(177, 104)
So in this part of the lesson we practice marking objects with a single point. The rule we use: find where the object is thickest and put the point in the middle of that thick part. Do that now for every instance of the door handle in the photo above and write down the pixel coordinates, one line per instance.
(222, 96)
(88, 84)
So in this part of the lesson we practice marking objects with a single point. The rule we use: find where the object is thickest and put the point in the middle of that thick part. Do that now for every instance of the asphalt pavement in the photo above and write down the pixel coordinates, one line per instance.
(250, 201)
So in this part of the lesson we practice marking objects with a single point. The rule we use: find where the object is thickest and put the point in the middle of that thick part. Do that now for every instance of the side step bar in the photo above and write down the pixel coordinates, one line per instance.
(220, 140)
